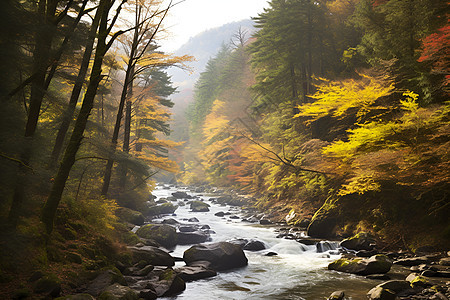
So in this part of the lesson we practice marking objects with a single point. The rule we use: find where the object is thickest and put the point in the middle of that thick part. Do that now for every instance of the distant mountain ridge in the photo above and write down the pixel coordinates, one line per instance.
(204, 46)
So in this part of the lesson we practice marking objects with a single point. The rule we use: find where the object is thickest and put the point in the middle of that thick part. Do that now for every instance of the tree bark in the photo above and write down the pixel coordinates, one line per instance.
(51, 205)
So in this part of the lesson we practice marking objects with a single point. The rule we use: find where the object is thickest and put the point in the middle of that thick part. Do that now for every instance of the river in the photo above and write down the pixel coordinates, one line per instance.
(297, 272)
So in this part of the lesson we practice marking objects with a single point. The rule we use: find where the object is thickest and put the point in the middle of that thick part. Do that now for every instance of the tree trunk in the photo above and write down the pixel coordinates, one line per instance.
(41, 55)
(51, 205)
(129, 74)
(68, 114)
(126, 143)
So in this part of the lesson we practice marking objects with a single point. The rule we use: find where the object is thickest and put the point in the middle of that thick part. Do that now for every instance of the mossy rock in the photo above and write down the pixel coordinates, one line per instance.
(361, 241)
(199, 206)
(165, 208)
(163, 234)
(130, 238)
(48, 284)
(377, 264)
(151, 255)
(323, 223)
(118, 292)
(130, 216)
(418, 281)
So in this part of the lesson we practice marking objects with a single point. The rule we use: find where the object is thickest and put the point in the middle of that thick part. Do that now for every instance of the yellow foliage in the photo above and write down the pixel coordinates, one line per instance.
(360, 185)
(335, 98)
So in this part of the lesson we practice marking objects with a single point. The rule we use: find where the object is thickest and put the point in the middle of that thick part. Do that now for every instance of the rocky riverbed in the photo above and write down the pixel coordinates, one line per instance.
(202, 246)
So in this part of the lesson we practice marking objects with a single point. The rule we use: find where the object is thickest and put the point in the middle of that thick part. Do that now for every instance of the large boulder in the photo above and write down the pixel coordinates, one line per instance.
(323, 223)
(254, 245)
(164, 234)
(163, 209)
(220, 256)
(377, 264)
(130, 216)
(189, 238)
(361, 241)
(199, 206)
(152, 256)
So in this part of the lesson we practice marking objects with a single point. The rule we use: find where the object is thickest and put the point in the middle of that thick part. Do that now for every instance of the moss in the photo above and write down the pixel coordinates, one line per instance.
(419, 281)
(165, 235)
(167, 274)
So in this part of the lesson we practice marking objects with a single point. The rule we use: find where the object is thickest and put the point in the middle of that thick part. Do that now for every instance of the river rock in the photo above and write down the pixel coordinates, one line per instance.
(224, 199)
(378, 293)
(221, 256)
(413, 261)
(187, 228)
(338, 295)
(265, 222)
(219, 214)
(445, 261)
(181, 195)
(130, 216)
(254, 245)
(195, 237)
(378, 264)
(396, 286)
(169, 284)
(170, 221)
(324, 246)
(199, 206)
(103, 281)
(148, 294)
(361, 241)
(152, 256)
(118, 292)
(192, 273)
(416, 280)
(193, 220)
(165, 208)
(165, 235)
(240, 242)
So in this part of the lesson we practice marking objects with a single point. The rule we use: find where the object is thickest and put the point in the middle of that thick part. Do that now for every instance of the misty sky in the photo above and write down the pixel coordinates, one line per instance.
(191, 17)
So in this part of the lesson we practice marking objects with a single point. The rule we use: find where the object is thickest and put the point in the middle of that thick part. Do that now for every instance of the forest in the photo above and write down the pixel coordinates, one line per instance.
(334, 113)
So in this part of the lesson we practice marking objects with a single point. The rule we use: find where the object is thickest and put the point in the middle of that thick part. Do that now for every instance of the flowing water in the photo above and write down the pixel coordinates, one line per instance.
(297, 272)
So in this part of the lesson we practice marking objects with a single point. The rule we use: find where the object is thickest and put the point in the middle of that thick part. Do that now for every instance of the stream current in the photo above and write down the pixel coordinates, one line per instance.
(297, 272)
